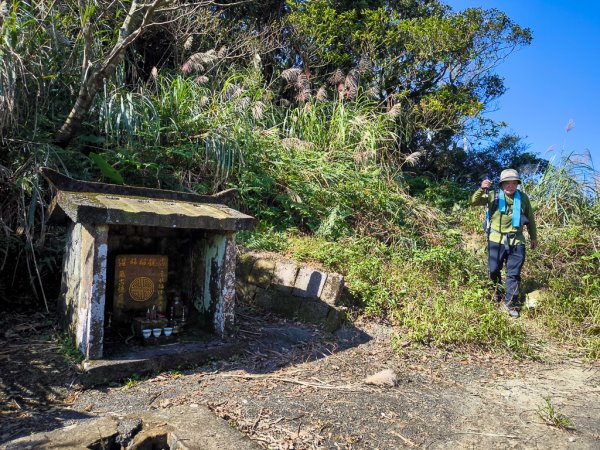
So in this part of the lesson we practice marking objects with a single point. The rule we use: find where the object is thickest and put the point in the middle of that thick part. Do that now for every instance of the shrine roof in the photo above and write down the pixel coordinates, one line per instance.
(99, 203)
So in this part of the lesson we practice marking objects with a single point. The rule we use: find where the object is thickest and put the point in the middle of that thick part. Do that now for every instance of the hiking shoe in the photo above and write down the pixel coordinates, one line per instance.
(511, 311)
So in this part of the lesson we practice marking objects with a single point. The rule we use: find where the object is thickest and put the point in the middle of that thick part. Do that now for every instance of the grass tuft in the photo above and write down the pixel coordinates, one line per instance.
(552, 417)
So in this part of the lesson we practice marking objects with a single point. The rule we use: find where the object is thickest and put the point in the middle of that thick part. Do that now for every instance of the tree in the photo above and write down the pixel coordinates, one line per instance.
(95, 70)
(431, 67)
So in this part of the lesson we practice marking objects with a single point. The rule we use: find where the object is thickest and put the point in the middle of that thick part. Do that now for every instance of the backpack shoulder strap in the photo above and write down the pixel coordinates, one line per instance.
(495, 201)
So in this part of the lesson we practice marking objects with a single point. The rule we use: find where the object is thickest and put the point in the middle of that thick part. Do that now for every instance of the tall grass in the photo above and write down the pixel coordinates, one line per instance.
(437, 295)
(567, 263)
(568, 191)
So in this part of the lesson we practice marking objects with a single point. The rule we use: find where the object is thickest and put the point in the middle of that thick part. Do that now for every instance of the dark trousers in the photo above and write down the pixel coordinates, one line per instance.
(514, 257)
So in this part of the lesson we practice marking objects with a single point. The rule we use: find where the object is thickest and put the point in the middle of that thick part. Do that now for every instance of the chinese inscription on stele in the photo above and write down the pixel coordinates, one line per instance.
(139, 284)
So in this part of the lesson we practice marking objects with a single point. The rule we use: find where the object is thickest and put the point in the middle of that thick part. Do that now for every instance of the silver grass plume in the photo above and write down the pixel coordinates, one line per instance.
(587, 156)
(295, 143)
(303, 89)
(336, 77)
(364, 65)
(242, 104)
(258, 110)
(188, 42)
(291, 75)
(297, 79)
(3, 9)
(412, 159)
(395, 110)
(583, 159)
(202, 79)
(238, 92)
(570, 125)
(230, 90)
(372, 92)
(197, 60)
(256, 61)
(322, 94)
(351, 84)
(271, 132)
(386, 377)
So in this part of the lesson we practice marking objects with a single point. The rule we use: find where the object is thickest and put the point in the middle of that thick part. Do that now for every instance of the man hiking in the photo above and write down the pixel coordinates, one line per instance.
(508, 210)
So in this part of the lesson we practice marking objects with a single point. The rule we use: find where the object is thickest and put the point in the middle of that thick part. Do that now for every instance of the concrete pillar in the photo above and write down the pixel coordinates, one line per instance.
(218, 293)
(83, 292)
(97, 293)
(224, 312)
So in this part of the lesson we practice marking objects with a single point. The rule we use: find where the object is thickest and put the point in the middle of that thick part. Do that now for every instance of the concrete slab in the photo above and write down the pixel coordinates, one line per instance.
(146, 360)
(190, 427)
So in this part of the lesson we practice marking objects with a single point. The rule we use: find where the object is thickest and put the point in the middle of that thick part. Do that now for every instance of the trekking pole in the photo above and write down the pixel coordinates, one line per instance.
(487, 205)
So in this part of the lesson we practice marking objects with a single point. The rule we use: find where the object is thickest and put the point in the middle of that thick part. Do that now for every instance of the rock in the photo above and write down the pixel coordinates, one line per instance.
(386, 377)
(533, 299)
(127, 430)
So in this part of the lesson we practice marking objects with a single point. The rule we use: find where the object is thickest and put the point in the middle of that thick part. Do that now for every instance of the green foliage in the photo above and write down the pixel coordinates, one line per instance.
(107, 170)
(263, 239)
(551, 416)
(566, 265)
(438, 294)
(317, 136)
(444, 194)
(131, 382)
(67, 348)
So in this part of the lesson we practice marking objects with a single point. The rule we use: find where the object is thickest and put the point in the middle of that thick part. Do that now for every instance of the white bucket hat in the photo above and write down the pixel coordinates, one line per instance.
(509, 175)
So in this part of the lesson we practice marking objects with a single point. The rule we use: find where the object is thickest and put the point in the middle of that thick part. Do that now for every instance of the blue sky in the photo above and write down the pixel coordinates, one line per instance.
(555, 79)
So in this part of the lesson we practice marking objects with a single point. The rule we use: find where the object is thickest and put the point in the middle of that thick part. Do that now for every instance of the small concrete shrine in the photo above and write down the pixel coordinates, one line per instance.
(145, 260)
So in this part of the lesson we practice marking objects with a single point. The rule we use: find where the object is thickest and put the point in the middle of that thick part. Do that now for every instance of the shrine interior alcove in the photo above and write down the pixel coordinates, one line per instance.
(144, 266)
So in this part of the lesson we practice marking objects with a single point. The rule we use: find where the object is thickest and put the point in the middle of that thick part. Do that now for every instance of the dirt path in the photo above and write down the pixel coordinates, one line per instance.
(295, 387)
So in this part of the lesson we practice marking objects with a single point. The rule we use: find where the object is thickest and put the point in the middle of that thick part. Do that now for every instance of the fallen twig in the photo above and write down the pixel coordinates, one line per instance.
(406, 440)
(249, 332)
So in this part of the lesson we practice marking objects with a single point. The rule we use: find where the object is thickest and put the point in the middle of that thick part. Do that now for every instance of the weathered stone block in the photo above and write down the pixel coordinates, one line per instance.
(284, 276)
(278, 302)
(262, 272)
(332, 290)
(309, 283)
(334, 320)
(245, 291)
(313, 311)
(244, 265)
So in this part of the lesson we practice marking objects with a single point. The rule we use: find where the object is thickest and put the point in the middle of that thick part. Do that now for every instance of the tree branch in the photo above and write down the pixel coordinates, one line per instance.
(138, 18)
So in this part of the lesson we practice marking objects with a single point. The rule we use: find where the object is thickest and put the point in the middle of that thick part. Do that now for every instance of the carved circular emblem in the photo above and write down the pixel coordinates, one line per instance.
(141, 289)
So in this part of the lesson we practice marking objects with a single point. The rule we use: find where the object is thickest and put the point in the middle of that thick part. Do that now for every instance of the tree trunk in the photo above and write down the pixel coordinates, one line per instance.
(139, 17)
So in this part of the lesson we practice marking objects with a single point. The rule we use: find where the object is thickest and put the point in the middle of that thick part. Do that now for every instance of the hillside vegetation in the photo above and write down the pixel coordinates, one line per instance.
(342, 124)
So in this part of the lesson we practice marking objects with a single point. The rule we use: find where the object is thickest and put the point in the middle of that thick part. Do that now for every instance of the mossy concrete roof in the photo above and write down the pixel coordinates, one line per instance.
(99, 203)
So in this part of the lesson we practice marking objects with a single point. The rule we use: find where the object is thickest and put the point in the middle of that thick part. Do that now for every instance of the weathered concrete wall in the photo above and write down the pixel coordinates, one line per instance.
(216, 294)
(83, 292)
(294, 291)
